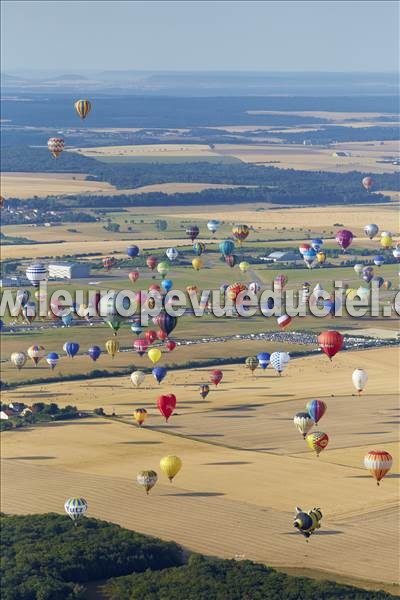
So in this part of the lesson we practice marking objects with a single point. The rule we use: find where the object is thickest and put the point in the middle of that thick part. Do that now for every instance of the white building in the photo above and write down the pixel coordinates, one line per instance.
(282, 257)
(66, 270)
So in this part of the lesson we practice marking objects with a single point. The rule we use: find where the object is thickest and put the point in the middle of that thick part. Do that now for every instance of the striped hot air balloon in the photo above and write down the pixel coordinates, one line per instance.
(378, 463)
(36, 272)
(75, 508)
(192, 232)
(284, 321)
(36, 353)
(240, 232)
(83, 108)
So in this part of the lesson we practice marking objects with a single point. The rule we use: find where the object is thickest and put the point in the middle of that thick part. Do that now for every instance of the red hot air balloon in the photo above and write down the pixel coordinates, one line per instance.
(170, 345)
(154, 287)
(140, 346)
(108, 262)
(368, 182)
(161, 335)
(330, 342)
(344, 237)
(284, 321)
(150, 336)
(216, 376)
(166, 405)
(152, 262)
(133, 276)
(192, 232)
(231, 260)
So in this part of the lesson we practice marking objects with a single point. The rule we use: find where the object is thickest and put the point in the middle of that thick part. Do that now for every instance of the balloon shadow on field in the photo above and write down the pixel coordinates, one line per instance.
(229, 463)
(232, 416)
(388, 476)
(196, 494)
(30, 458)
(204, 435)
(322, 532)
(390, 422)
(370, 432)
(144, 443)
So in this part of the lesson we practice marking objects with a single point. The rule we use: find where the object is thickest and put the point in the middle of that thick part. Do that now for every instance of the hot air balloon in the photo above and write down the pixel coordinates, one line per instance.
(52, 359)
(133, 276)
(172, 254)
(254, 287)
(303, 523)
(231, 260)
(244, 266)
(216, 376)
(371, 230)
(152, 262)
(140, 415)
(321, 257)
(386, 240)
(378, 463)
(204, 390)
(71, 348)
(396, 253)
(150, 336)
(367, 274)
(109, 309)
(137, 378)
(170, 466)
(316, 409)
(310, 258)
(163, 268)
(240, 232)
(83, 108)
(132, 251)
(233, 290)
(330, 342)
(18, 359)
(284, 321)
(165, 322)
(368, 182)
(279, 361)
(317, 441)
(36, 273)
(56, 146)
(303, 422)
(167, 285)
(108, 262)
(316, 244)
(358, 268)
(192, 232)
(67, 319)
(263, 359)
(280, 281)
(213, 226)
(136, 326)
(377, 281)
(379, 260)
(166, 405)
(197, 264)
(199, 248)
(227, 247)
(36, 353)
(359, 378)
(112, 347)
(251, 363)
(140, 346)
(29, 311)
(154, 355)
(170, 345)
(161, 335)
(94, 352)
(22, 297)
(344, 237)
(75, 508)
(147, 479)
(304, 248)
(159, 373)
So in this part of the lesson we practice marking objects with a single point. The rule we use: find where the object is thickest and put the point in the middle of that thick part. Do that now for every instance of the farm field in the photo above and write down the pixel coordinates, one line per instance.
(241, 434)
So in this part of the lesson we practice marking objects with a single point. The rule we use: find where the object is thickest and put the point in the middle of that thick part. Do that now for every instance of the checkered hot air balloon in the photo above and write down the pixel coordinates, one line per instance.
(56, 146)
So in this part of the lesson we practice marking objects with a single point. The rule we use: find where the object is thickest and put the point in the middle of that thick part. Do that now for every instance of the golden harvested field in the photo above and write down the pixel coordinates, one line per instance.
(27, 185)
(364, 156)
(245, 465)
(152, 150)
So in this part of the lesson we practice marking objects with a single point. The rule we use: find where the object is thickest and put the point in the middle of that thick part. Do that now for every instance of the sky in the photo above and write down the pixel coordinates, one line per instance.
(77, 36)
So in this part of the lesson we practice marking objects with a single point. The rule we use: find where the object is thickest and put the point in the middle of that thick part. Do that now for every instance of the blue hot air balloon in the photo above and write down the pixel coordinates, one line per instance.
(136, 326)
(67, 319)
(263, 359)
(159, 373)
(379, 260)
(226, 247)
(94, 352)
(167, 285)
(132, 251)
(71, 348)
(316, 244)
(52, 359)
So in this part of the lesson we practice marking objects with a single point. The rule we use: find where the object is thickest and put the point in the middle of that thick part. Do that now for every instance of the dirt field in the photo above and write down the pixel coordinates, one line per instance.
(153, 150)
(245, 465)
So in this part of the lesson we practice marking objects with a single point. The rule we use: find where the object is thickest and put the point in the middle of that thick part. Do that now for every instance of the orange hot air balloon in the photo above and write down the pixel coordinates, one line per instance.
(378, 463)
(317, 440)
(140, 415)
(330, 342)
(216, 376)
(133, 276)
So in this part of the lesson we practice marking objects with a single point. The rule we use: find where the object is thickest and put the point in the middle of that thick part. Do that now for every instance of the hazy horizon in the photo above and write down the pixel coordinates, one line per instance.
(254, 37)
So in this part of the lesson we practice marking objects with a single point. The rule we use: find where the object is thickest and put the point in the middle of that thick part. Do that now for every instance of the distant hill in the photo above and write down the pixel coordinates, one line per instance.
(68, 77)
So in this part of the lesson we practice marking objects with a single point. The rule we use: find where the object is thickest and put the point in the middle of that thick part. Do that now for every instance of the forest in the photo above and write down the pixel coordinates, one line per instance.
(44, 557)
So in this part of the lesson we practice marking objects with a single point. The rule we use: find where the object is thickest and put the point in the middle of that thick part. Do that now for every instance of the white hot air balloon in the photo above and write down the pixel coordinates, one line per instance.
(36, 273)
(360, 378)
(18, 359)
(303, 422)
(75, 508)
(137, 378)
(279, 361)
(172, 254)
(213, 225)
(371, 230)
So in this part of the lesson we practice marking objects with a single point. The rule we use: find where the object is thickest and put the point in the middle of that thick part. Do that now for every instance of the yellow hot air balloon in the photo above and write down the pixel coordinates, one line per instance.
(197, 263)
(386, 241)
(140, 415)
(317, 440)
(170, 466)
(244, 266)
(154, 355)
(240, 232)
(112, 347)
(83, 108)
(321, 257)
